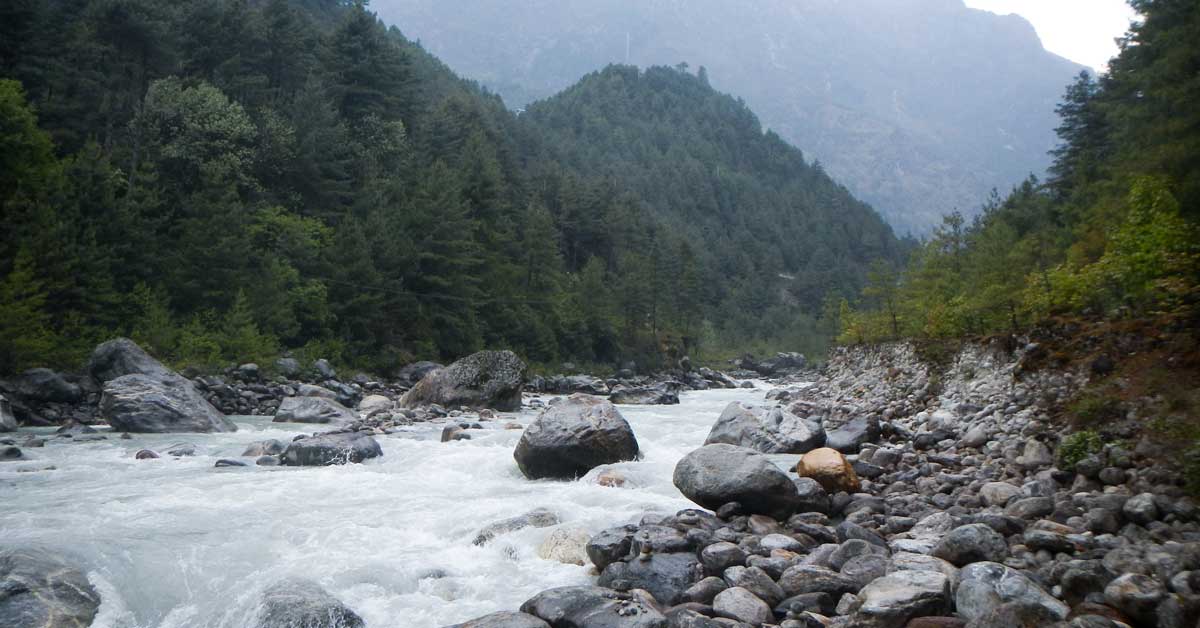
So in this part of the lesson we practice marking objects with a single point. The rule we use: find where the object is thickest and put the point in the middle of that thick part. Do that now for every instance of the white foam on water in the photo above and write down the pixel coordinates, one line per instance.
(176, 543)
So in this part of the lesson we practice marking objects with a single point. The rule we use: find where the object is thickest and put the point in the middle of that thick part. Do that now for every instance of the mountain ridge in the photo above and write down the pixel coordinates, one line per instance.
(916, 124)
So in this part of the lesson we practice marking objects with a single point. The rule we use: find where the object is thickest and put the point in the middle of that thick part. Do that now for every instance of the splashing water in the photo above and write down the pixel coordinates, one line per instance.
(176, 543)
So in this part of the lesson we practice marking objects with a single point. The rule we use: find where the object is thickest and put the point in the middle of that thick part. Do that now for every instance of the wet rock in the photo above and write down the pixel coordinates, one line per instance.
(539, 518)
(971, 543)
(180, 450)
(122, 356)
(850, 437)
(661, 394)
(566, 545)
(756, 581)
(44, 590)
(813, 497)
(665, 576)
(592, 607)
(570, 438)
(324, 369)
(741, 605)
(226, 462)
(771, 430)
(829, 468)
(145, 454)
(268, 461)
(610, 546)
(47, 386)
(9, 452)
(715, 475)
(301, 603)
(159, 404)
(270, 447)
(720, 556)
(800, 579)
(8, 422)
(984, 586)
(1141, 509)
(891, 601)
(998, 493)
(704, 591)
(504, 619)
(1135, 595)
(331, 448)
(313, 410)
(375, 404)
(451, 433)
(488, 379)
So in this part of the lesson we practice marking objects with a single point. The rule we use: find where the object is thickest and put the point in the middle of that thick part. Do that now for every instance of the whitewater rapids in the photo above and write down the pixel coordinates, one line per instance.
(177, 543)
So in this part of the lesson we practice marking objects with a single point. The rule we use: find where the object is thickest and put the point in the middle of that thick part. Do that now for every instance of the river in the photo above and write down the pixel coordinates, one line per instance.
(177, 543)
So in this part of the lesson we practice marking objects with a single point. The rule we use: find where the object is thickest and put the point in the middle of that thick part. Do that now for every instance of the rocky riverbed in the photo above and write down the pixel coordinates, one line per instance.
(886, 493)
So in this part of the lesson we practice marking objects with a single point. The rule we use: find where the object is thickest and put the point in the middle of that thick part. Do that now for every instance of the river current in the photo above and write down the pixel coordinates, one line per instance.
(177, 543)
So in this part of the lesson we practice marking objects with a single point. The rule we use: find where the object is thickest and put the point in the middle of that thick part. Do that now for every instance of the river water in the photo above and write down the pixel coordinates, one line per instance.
(177, 543)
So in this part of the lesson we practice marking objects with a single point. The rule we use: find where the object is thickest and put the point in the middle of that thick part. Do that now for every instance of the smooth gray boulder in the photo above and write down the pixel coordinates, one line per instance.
(538, 518)
(715, 475)
(504, 619)
(8, 422)
(163, 403)
(770, 430)
(46, 385)
(43, 590)
(301, 603)
(488, 379)
(122, 356)
(313, 410)
(741, 605)
(331, 448)
(891, 601)
(573, 437)
(592, 607)
(971, 543)
(850, 437)
(986, 585)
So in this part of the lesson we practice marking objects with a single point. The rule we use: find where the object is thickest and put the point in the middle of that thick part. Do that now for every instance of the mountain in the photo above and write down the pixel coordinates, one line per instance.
(920, 107)
(225, 180)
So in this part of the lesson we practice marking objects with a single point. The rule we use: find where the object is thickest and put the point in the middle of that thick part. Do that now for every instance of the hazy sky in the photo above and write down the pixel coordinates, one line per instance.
(1080, 30)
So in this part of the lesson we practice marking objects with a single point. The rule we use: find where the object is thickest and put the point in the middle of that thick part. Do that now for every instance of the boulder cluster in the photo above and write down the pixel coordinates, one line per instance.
(890, 495)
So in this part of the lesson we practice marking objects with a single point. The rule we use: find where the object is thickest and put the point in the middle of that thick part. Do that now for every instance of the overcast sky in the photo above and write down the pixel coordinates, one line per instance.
(1080, 30)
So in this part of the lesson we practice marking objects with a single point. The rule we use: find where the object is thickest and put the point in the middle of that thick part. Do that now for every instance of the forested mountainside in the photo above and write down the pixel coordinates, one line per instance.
(920, 107)
(223, 180)
(1111, 234)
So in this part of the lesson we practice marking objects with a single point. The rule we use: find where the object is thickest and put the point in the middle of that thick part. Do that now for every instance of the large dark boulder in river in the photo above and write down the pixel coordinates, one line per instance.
(592, 607)
(300, 603)
(715, 475)
(43, 590)
(313, 410)
(159, 404)
(660, 394)
(504, 619)
(122, 356)
(8, 422)
(331, 448)
(488, 379)
(573, 437)
(46, 385)
(771, 430)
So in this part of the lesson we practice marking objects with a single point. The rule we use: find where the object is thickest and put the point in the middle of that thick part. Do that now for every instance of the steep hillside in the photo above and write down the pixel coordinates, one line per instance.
(919, 107)
(224, 181)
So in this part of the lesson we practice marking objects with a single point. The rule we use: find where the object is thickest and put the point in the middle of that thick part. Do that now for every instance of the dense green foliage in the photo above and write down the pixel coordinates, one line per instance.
(1112, 233)
(226, 179)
